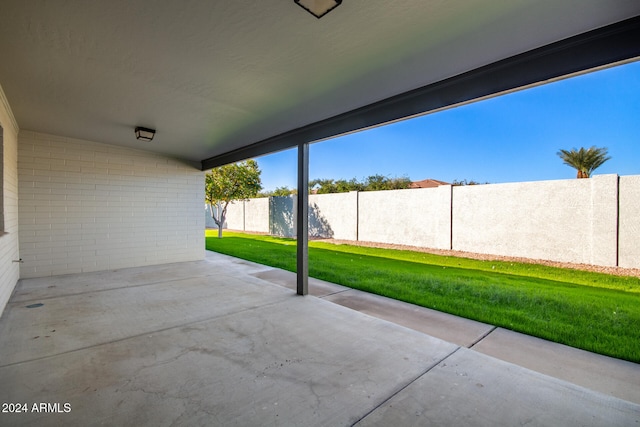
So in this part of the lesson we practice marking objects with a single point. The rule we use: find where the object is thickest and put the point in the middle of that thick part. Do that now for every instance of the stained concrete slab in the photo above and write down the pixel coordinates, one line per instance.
(76, 321)
(317, 288)
(212, 344)
(604, 374)
(454, 329)
(234, 265)
(298, 361)
(607, 375)
(56, 286)
(472, 389)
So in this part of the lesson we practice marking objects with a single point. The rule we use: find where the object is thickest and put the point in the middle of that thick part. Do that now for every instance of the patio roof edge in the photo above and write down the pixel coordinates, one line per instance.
(597, 48)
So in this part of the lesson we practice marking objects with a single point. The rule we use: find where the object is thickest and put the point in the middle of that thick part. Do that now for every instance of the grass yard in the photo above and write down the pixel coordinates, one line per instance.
(592, 311)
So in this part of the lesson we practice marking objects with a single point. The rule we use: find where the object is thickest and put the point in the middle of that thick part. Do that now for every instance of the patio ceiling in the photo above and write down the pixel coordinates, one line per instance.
(216, 76)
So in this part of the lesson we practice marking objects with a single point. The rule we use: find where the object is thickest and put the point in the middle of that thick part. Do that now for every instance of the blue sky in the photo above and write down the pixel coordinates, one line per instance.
(511, 138)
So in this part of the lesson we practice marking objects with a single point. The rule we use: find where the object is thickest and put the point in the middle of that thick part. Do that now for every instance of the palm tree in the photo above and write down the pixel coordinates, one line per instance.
(585, 161)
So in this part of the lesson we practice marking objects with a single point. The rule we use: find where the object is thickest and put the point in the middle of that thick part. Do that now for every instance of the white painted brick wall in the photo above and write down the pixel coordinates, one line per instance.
(9, 270)
(86, 206)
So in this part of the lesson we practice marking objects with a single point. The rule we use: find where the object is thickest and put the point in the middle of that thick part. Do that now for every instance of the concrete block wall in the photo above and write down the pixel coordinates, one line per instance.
(250, 215)
(567, 220)
(208, 221)
(415, 217)
(590, 221)
(330, 215)
(235, 216)
(603, 243)
(282, 215)
(334, 215)
(629, 231)
(235, 211)
(86, 206)
(9, 244)
(257, 215)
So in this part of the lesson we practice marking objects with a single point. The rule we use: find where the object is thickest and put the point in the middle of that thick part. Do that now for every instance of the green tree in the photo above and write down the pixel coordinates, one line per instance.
(323, 186)
(344, 186)
(371, 183)
(459, 183)
(376, 182)
(381, 182)
(223, 185)
(585, 161)
(278, 192)
(399, 183)
(283, 191)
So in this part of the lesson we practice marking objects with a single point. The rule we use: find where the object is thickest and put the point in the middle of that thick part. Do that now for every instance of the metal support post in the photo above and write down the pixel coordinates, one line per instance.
(302, 220)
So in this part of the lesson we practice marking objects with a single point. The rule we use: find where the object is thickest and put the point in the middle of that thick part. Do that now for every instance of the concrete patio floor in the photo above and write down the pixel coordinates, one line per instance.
(225, 342)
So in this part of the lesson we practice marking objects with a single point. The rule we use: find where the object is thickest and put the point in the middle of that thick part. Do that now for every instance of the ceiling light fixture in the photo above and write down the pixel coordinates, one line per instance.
(318, 8)
(144, 134)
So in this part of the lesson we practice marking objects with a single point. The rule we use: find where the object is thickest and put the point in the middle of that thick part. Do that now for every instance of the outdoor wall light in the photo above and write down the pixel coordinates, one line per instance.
(318, 8)
(144, 134)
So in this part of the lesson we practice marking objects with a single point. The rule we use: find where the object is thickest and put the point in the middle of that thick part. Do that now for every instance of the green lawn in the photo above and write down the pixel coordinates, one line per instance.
(592, 311)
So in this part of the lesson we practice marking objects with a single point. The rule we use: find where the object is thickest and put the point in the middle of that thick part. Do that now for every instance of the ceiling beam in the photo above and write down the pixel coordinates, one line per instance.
(608, 45)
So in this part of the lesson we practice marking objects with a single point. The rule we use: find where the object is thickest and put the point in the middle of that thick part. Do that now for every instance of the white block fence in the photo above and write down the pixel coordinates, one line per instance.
(590, 221)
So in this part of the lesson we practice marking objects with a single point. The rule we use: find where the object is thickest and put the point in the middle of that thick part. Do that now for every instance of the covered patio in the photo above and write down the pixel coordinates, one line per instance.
(212, 343)
(108, 300)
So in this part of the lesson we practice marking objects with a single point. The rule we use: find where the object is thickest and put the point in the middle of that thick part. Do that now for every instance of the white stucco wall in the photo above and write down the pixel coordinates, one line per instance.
(86, 206)
(9, 244)
(629, 244)
(416, 217)
(248, 215)
(566, 220)
(604, 220)
(208, 221)
(282, 216)
(334, 215)
(257, 215)
(235, 216)
(330, 215)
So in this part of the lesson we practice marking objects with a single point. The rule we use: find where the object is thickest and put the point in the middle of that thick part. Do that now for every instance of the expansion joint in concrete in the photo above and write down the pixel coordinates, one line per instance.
(335, 293)
(483, 336)
(405, 386)
(93, 291)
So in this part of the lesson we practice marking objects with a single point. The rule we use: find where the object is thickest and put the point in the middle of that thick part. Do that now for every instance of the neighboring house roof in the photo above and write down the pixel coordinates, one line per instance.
(427, 183)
